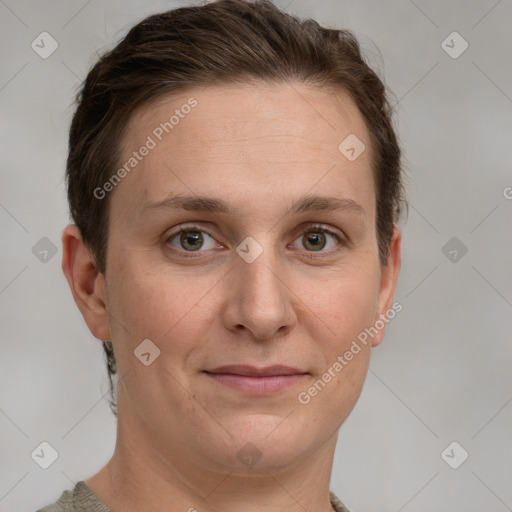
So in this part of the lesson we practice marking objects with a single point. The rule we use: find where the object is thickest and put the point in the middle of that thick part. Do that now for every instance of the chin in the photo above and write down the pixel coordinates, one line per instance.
(262, 443)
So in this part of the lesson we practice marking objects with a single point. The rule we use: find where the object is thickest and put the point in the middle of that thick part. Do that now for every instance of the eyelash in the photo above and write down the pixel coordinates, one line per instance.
(315, 228)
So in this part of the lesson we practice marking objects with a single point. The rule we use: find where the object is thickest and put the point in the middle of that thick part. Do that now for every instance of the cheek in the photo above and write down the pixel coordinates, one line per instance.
(338, 381)
(150, 303)
(346, 303)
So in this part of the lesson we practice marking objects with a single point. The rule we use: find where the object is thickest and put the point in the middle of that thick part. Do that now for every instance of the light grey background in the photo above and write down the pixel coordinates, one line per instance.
(442, 374)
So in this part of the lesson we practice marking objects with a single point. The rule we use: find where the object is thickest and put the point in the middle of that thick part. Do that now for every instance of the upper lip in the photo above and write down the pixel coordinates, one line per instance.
(242, 369)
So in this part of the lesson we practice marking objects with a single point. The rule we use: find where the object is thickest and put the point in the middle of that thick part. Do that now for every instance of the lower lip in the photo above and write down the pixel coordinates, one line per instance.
(257, 385)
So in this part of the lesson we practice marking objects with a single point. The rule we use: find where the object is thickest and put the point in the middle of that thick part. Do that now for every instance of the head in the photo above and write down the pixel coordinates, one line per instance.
(291, 251)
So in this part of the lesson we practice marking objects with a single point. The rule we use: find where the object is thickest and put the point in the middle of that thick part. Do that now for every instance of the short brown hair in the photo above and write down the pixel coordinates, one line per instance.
(222, 42)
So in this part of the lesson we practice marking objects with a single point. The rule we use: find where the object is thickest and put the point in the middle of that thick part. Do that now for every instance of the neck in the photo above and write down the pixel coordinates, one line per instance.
(142, 476)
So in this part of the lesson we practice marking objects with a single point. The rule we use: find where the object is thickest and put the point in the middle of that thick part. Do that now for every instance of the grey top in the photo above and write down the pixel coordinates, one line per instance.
(82, 499)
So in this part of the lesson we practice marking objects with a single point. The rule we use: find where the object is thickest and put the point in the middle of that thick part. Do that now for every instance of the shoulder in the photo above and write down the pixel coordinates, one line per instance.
(64, 504)
(336, 503)
(80, 499)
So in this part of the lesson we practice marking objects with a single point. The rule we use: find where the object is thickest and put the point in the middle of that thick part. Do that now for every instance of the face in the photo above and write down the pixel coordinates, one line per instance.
(276, 265)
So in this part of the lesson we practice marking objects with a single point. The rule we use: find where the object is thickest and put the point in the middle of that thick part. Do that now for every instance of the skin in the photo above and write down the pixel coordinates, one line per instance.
(259, 147)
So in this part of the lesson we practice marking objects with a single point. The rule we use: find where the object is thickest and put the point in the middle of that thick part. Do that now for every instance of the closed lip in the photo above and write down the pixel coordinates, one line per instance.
(253, 371)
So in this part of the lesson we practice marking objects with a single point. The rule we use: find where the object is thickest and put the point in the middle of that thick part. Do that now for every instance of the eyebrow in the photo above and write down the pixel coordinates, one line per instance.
(310, 202)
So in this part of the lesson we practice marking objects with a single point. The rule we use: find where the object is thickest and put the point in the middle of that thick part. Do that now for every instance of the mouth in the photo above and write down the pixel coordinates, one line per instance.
(256, 381)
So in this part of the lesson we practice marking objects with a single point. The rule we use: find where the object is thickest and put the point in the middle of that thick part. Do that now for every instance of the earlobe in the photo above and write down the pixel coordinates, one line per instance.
(389, 279)
(85, 282)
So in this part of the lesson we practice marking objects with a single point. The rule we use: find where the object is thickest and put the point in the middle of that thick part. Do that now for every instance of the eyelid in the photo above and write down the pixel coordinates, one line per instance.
(311, 226)
(187, 227)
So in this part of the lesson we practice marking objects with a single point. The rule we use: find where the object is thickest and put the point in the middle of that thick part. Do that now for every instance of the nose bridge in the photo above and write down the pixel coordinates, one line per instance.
(258, 272)
(259, 295)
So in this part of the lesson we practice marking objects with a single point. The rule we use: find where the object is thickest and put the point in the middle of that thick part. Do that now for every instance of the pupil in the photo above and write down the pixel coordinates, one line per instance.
(318, 242)
(189, 240)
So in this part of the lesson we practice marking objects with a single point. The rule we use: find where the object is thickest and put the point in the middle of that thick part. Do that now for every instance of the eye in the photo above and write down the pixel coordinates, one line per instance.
(192, 239)
(318, 238)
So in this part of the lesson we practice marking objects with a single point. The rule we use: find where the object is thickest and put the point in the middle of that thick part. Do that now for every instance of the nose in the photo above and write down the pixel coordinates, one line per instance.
(259, 297)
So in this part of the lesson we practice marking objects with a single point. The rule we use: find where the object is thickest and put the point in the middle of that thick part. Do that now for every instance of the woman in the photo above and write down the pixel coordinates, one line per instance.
(235, 184)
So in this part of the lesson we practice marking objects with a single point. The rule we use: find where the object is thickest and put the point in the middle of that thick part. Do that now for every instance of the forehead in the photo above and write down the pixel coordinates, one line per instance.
(240, 138)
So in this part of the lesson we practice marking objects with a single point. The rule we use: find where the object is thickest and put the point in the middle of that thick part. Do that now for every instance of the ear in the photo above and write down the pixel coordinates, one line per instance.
(86, 283)
(389, 278)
